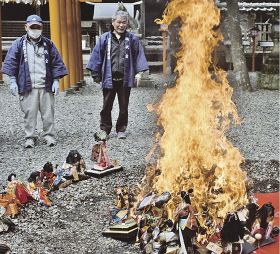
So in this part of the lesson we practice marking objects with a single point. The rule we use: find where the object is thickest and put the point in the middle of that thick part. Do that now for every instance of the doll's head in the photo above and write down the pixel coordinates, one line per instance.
(12, 177)
(48, 167)
(33, 177)
(186, 196)
(73, 157)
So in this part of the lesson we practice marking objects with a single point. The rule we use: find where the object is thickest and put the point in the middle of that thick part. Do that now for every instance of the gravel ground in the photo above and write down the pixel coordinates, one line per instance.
(81, 211)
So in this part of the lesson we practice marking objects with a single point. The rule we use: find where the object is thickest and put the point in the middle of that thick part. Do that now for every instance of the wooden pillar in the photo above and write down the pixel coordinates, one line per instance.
(254, 33)
(1, 60)
(55, 29)
(70, 38)
(254, 54)
(142, 18)
(79, 39)
(163, 29)
(75, 41)
(64, 41)
(164, 60)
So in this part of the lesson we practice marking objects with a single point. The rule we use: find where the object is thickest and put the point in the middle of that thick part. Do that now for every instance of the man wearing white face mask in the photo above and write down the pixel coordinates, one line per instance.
(35, 67)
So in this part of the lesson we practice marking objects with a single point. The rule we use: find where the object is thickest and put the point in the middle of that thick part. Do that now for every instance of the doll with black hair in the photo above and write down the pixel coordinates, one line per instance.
(47, 176)
(187, 222)
(17, 189)
(74, 167)
(37, 190)
(74, 158)
(252, 212)
(263, 224)
(233, 229)
(232, 233)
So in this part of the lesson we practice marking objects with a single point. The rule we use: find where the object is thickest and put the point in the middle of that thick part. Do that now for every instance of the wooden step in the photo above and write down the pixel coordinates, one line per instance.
(155, 66)
(153, 38)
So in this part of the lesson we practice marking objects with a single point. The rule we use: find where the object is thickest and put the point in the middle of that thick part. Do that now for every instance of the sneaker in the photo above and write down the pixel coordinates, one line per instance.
(29, 143)
(50, 142)
(121, 135)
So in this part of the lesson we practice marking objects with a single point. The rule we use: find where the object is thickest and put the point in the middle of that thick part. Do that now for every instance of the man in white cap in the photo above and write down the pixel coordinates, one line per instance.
(35, 67)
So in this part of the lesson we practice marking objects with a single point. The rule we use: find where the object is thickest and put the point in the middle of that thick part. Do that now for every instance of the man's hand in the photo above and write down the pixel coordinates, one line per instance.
(55, 87)
(96, 78)
(13, 86)
(138, 78)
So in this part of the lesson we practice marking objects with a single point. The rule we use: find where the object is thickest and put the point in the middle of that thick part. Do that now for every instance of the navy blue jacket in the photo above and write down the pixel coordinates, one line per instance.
(15, 64)
(100, 59)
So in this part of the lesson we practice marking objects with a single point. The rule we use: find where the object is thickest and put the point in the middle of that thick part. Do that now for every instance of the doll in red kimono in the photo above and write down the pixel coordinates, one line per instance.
(17, 189)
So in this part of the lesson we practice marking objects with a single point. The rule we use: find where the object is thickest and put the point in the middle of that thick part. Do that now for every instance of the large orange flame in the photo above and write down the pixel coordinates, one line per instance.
(195, 115)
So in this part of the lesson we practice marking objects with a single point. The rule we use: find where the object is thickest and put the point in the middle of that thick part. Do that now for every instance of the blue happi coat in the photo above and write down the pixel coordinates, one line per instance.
(100, 59)
(15, 64)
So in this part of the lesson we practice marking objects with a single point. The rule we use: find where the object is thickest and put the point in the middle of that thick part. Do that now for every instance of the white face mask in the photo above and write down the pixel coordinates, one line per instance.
(34, 33)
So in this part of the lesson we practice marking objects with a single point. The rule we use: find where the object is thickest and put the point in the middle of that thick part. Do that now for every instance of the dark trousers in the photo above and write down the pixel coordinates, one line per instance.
(108, 101)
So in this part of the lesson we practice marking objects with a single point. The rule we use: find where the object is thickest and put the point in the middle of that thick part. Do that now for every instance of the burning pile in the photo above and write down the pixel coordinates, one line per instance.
(241, 231)
(196, 196)
(195, 115)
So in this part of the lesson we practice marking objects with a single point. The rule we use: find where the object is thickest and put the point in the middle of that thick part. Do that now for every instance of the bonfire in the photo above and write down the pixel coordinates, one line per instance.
(195, 199)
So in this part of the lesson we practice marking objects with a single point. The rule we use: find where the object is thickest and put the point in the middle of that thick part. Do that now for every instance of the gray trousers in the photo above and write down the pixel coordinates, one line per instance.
(30, 103)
